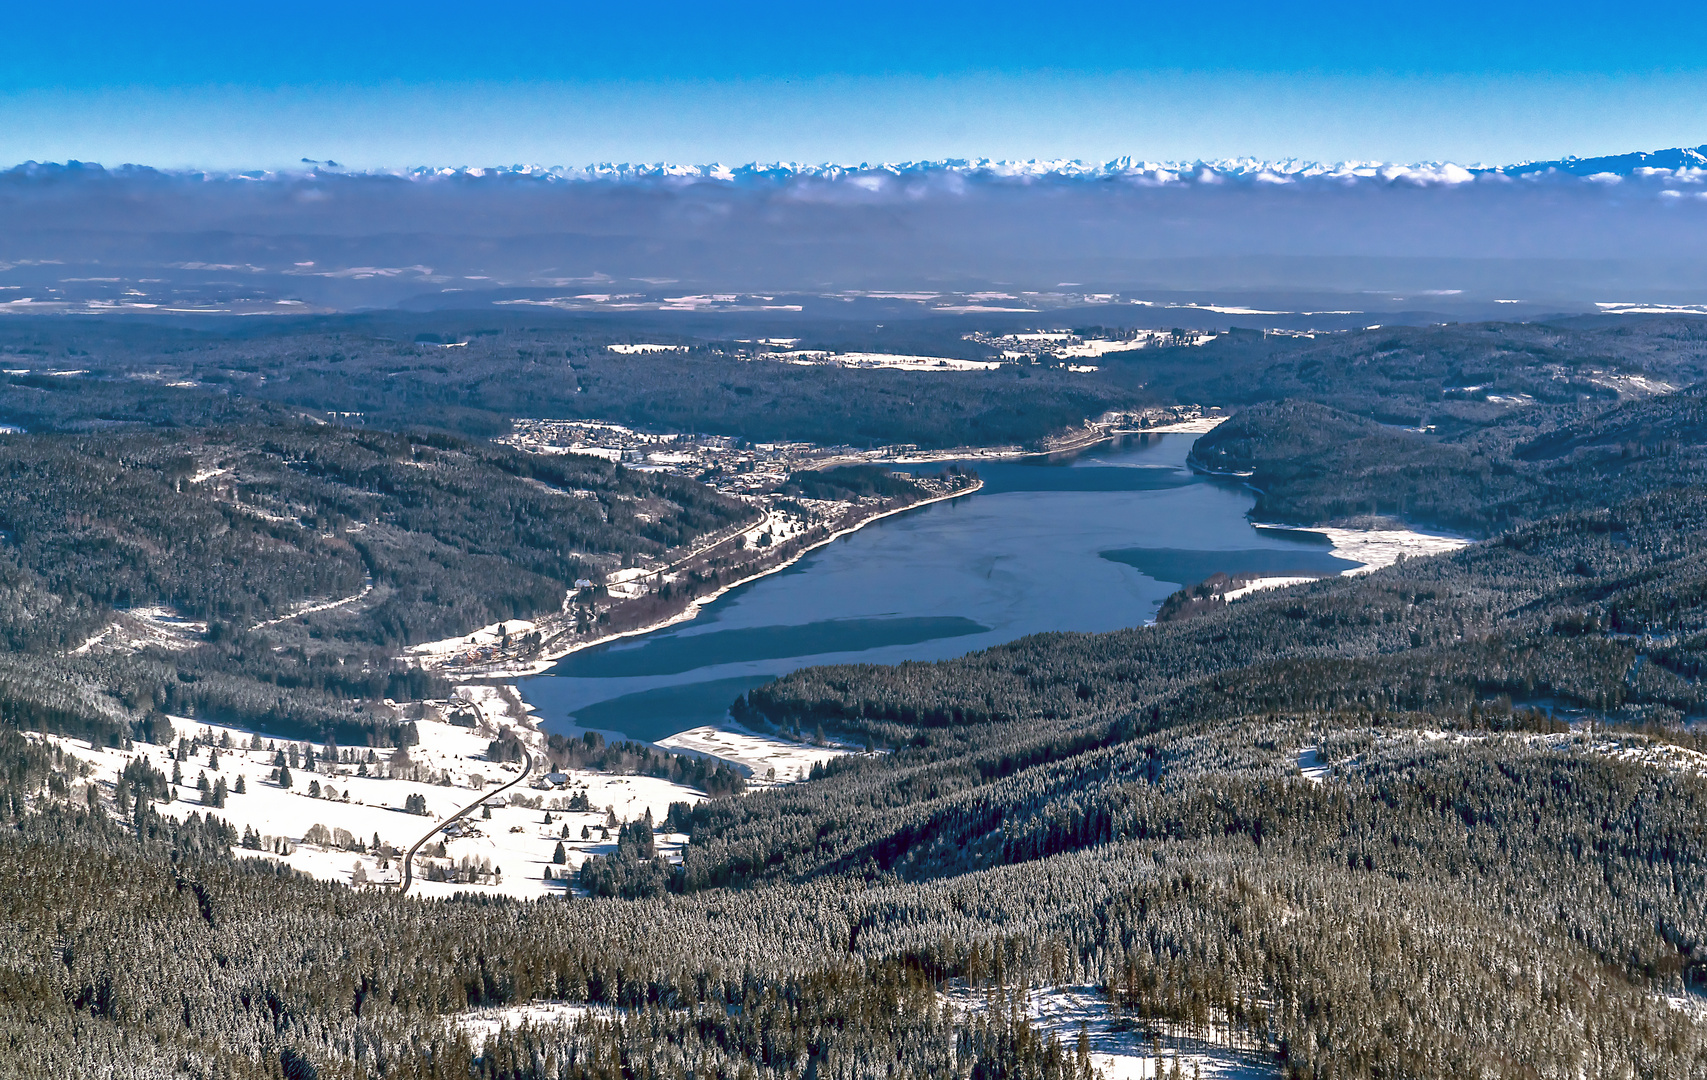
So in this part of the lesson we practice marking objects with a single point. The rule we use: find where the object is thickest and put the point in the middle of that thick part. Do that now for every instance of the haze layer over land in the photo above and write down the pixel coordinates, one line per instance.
(952, 236)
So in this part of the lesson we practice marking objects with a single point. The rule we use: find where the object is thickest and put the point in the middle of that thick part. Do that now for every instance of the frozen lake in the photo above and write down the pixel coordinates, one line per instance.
(1093, 542)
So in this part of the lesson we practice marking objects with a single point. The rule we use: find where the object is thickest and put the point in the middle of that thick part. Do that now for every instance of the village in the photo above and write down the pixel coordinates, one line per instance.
(643, 593)
(732, 466)
(351, 814)
(1077, 351)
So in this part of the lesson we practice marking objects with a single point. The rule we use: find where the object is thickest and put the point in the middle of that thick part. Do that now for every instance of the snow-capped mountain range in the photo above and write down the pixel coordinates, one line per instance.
(82, 238)
(1682, 165)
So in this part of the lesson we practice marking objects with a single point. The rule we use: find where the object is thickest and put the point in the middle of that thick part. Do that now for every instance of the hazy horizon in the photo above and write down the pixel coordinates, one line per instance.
(1430, 238)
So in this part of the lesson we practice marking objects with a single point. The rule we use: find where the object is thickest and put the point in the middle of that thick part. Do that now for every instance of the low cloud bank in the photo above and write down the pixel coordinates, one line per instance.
(1623, 228)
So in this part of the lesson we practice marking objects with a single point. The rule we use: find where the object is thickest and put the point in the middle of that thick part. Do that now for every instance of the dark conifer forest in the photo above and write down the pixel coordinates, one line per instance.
(1445, 819)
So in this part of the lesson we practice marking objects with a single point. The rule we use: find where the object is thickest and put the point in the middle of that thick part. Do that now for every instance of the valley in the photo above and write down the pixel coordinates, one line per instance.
(1350, 728)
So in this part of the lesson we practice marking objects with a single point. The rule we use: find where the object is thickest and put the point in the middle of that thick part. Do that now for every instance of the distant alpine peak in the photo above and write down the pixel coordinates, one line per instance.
(1691, 162)
(1679, 166)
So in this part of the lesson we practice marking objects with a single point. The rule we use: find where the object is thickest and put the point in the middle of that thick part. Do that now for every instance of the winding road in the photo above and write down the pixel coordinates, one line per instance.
(409, 859)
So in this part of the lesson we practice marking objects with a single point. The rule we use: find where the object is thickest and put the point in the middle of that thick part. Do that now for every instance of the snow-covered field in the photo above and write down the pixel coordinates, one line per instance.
(472, 645)
(1310, 763)
(886, 360)
(1376, 548)
(765, 760)
(346, 819)
(1100, 347)
(1121, 1050)
(448, 770)
(1261, 583)
(1194, 426)
(482, 1024)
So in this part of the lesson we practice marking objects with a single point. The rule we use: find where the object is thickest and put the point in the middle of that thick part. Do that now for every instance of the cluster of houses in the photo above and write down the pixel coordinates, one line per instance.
(465, 827)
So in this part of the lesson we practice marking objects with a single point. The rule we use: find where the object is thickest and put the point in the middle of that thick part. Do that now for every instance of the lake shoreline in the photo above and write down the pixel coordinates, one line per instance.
(1045, 544)
(1068, 444)
(508, 673)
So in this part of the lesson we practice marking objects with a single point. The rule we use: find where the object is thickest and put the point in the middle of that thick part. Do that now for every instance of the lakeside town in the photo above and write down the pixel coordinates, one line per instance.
(652, 592)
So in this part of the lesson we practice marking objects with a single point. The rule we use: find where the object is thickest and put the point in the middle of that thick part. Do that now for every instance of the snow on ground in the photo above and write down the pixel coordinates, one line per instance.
(1100, 347)
(779, 524)
(1119, 1048)
(1638, 386)
(140, 628)
(1375, 548)
(1310, 763)
(486, 638)
(764, 759)
(516, 840)
(321, 605)
(886, 360)
(1195, 426)
(1636, 749)
(1258, 584)
(645, 347)
(1688, 1002)
(1624, 746)
(481, 1024)
(1652, 309)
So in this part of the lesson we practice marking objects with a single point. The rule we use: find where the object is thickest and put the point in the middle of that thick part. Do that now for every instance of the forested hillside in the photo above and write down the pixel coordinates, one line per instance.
(290, 562)
(375, 375)
(1454, 378)
(1310, 463)
(473, 374)
(1444, 819)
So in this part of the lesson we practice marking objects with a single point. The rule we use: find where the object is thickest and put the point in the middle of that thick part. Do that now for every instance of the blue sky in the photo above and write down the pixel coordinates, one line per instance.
(374, 85)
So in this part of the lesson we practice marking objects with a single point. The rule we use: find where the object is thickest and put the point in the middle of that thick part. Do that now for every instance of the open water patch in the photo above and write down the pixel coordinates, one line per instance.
(674, 653)
(1088, 542)
(1181, 566)
(650, 715)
